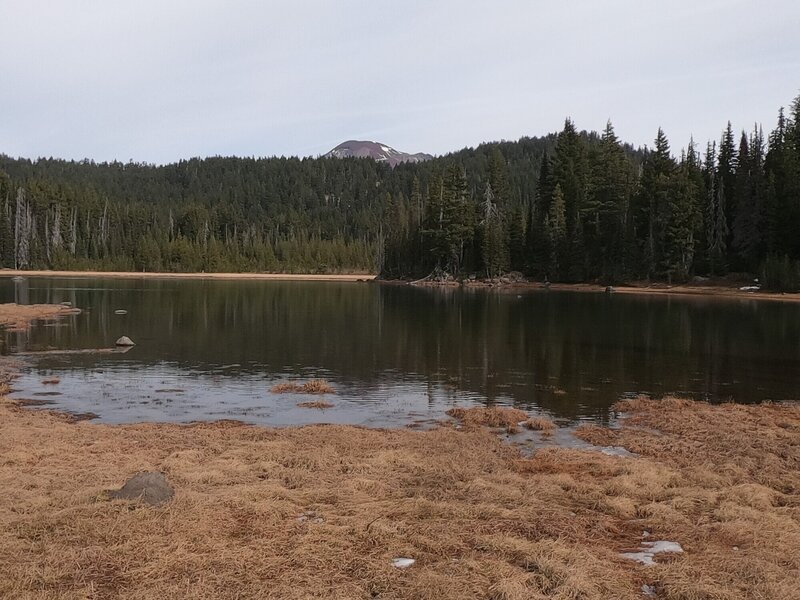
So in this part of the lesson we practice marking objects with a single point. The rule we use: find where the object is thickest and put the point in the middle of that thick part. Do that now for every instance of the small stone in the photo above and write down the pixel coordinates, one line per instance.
(149, 487)
(120, 312)
(125, 341)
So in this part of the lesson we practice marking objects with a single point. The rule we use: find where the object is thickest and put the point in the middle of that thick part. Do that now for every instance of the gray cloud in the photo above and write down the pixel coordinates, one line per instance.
(158, 81)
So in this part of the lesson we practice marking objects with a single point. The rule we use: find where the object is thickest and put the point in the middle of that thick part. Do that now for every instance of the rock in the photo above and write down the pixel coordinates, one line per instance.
(124, 341)
(67, 304)
(609, 289)
(150, 487)
(120, 312)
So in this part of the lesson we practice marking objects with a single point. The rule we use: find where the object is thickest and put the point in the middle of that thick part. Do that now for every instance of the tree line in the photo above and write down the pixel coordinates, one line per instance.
(573, 206)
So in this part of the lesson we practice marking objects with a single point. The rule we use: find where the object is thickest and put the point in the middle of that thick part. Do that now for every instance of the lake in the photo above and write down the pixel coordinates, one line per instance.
(395, 354)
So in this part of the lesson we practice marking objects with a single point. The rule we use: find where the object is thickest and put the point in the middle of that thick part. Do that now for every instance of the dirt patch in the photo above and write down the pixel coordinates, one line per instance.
(477, 518)
(312, 386)
(150, 488)
(19, 317)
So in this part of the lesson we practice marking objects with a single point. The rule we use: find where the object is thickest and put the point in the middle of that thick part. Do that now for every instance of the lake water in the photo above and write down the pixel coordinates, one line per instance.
(395, 354)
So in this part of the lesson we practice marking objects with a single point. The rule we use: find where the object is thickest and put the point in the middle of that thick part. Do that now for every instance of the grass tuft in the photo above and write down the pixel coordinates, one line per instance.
(508, 418)
(540, 424)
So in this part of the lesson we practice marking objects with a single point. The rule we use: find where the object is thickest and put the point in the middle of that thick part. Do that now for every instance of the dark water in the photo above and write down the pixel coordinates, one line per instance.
(395, 354)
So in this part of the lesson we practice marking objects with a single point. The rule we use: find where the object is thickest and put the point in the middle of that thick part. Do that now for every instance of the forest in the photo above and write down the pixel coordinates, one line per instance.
(574, 206)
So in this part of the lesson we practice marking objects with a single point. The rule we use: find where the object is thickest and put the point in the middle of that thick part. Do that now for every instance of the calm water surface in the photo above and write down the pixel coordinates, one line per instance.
(395, 354)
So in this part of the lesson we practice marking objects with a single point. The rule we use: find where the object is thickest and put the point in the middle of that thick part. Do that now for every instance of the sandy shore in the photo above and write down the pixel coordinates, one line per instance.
(322, 511)
(138, 275)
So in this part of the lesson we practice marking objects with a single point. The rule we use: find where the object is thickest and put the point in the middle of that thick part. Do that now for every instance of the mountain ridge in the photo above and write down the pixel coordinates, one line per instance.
(377, 151)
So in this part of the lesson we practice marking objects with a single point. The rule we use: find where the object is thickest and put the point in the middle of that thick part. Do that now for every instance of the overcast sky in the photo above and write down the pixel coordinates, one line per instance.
(156, 81)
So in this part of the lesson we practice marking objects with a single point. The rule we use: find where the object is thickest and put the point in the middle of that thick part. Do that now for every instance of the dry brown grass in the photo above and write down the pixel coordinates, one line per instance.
(312, 386)
(480, 520)
(315, 404)
(18, 317)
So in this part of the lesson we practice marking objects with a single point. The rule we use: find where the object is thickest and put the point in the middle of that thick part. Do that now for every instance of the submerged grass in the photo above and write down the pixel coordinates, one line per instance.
(312, 386)
(480, 520)
(18, 317)
(315, 404)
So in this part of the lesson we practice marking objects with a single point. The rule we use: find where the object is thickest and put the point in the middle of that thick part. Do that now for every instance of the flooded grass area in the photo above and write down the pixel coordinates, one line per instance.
(343, 512)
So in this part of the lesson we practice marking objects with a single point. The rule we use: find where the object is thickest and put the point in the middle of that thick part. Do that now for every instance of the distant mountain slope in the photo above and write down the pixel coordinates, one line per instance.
(376, 151)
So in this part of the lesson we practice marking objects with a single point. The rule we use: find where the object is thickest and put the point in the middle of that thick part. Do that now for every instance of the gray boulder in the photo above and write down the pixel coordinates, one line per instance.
(125, 341)
(150, 487)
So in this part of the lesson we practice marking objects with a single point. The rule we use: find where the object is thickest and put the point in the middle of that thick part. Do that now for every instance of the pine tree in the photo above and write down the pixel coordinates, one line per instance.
(451, 220)
(750, 197)
(516, 239)
(493, 246)
(537, 241)
(606, 207)
(653, 202)
(557, 232)
(726, 173)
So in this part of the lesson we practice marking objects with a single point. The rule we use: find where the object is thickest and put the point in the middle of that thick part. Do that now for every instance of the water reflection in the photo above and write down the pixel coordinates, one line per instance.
(391, 349)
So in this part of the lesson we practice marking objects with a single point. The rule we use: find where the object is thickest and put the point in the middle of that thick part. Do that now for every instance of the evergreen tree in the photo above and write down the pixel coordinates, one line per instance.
(653, 202)
(606, 207)
(726, 173)
(750, 198)
(494, 249)
(556, 224)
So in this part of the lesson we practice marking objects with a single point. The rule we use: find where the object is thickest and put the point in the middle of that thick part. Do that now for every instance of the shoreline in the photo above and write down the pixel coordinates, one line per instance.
(709, 291)
(163, 275)
(325, 510)
(704, 290)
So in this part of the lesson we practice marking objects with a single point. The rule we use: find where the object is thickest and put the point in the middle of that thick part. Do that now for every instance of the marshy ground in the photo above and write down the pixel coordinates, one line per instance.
(323, 511)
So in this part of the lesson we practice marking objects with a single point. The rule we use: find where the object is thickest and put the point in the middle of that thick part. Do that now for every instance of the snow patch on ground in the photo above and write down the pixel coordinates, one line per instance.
(648, 550)
(403, 563)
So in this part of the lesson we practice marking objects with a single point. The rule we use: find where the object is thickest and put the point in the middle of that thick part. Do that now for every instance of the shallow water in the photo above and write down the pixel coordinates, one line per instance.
(396, 355)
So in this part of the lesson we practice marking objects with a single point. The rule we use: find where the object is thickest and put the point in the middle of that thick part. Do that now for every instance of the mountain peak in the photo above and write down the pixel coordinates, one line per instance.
(375, 150)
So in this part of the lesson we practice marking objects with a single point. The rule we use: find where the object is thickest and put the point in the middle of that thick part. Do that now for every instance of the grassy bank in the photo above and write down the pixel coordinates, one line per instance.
(321, 511)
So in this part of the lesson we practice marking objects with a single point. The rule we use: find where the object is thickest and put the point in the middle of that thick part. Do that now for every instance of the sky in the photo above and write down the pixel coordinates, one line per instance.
(158, 81)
